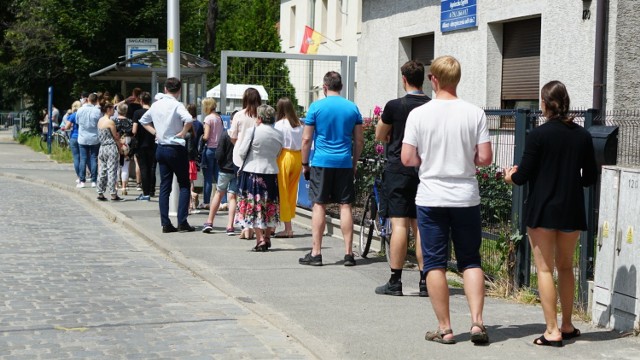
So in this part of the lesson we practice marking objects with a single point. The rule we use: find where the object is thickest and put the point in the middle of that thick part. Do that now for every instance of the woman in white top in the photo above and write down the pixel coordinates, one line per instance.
(212, 129)
(258, 199)
(289, 163)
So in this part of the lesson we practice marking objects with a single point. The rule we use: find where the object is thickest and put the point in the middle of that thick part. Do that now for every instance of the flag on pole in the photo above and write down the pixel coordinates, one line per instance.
(310, 41)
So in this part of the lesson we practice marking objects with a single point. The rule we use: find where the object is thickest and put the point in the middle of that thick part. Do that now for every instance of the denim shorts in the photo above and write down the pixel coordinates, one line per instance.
(436, 223)
(227, 182)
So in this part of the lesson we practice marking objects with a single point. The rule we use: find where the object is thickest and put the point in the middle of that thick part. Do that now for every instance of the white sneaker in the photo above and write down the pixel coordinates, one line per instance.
(77, 181)
(93, 184)
(80, 185)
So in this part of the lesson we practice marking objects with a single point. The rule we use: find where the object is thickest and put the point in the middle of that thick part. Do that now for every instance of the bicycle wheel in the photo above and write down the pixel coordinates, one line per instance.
(63, 142)
(367, 225)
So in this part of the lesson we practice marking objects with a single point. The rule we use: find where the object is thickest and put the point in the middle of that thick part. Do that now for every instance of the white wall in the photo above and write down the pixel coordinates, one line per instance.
(567, 47)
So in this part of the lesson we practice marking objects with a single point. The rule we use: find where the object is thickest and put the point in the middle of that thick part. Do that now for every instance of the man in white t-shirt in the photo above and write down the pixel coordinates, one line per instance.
(447, 138)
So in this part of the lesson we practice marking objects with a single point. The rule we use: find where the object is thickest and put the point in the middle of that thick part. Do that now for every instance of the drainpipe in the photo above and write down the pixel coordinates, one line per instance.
(600, 64)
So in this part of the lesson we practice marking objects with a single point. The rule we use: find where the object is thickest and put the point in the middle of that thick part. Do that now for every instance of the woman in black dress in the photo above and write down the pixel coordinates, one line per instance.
(558, 161)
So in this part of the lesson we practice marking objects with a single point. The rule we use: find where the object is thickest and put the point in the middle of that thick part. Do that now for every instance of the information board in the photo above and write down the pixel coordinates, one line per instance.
(136, 46)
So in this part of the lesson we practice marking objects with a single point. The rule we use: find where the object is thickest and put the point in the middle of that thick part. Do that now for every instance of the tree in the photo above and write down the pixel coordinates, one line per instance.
(60, 42)
(252, 25)
(211, 27)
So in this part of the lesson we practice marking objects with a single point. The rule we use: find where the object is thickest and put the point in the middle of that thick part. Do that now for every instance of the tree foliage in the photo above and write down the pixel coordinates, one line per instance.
(60, 42)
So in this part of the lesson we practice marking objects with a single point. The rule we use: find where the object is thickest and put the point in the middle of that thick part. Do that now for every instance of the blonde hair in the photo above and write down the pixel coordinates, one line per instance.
(75, 106)
(447, 70)
(208, 105)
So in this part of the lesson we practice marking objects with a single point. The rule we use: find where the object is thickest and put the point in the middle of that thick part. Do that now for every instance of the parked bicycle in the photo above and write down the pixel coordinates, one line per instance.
(59, 139)
(372, 222)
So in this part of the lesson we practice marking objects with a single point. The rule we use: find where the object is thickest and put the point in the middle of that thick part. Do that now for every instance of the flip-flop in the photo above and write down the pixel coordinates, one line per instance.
(570, 335)
(479, 337)
(438, 336)
(542, 341)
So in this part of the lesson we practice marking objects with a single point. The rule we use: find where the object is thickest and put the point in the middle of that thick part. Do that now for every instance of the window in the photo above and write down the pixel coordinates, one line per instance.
(338, 20)
(520, 66)
(323, 17)
(422, 51)
(292, 27)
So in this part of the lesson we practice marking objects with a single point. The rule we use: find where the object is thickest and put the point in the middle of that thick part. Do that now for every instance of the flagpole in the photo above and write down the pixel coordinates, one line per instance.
(321, 34)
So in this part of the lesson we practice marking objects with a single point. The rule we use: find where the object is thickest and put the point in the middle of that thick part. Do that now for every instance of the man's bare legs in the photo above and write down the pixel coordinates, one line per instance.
(439, 292)
(318, 223)
(346, 226)
(473, 279)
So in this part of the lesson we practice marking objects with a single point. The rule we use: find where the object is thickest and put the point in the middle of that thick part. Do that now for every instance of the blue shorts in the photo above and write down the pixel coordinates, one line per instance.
(227, 182)
(436, 223)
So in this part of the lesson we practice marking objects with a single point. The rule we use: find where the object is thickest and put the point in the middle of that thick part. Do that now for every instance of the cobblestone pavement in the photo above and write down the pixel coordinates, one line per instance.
(74, 286)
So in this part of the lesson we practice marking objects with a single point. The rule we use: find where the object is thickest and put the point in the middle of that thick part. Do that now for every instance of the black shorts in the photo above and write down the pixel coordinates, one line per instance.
(398, 195)
(331, 185)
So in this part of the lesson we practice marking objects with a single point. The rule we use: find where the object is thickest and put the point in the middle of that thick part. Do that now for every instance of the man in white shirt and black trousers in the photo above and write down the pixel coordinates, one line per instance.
(171, 122)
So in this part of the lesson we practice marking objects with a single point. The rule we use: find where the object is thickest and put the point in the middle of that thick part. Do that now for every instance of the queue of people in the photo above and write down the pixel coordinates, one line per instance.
(428, 184)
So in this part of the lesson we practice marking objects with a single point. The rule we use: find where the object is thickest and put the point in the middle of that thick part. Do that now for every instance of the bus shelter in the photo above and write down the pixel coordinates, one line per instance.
(151, 67)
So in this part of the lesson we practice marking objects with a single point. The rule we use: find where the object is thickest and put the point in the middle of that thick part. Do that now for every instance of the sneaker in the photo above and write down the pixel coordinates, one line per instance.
(231, 231)
(80, 184)
(207, 228)
(390, 288)
(311, 260)
(77, 181)
(185, 227)
(93, 184)
(169, 229)
(143, 197)
(423, 289)
(349, 260)
(138, 187)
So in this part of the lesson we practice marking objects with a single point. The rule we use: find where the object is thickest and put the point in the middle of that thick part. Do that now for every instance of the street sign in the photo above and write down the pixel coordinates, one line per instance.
(136, 46)
(457, 14)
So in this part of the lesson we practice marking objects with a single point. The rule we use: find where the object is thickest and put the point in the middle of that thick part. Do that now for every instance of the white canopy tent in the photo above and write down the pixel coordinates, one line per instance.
(234, 95)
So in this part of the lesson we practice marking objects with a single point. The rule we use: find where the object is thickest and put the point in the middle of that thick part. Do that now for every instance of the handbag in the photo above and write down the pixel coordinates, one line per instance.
(246, 155)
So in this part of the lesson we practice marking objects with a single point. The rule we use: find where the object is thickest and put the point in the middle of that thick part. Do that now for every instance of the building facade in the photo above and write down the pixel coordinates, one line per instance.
(339, 24)
(515, 48)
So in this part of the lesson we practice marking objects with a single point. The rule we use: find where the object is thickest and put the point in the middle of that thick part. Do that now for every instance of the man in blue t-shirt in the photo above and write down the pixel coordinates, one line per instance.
(334, 124)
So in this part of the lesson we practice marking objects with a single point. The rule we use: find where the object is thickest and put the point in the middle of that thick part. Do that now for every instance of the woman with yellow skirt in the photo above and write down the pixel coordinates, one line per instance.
(289, 163)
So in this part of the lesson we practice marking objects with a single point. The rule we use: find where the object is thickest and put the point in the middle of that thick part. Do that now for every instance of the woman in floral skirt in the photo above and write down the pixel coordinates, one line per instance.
(258, 200)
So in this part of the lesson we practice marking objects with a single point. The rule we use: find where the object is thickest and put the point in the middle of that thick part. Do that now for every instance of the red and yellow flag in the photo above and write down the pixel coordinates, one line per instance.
(310, 41)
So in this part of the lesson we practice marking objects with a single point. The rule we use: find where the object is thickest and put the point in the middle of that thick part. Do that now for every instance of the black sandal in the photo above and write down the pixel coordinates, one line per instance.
(570, 335)
(261, 246)
(542, 341)
(479, 337)
(117, 198)
(101, 197)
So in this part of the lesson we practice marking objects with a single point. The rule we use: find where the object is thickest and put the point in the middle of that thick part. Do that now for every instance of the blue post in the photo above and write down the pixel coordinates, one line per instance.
(50, 124)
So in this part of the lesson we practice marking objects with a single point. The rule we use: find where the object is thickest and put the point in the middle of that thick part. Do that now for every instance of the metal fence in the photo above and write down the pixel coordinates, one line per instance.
(11, 118)
(508, 130)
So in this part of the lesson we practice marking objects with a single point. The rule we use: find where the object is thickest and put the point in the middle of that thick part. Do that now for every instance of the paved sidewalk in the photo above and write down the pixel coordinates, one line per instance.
(332, 310)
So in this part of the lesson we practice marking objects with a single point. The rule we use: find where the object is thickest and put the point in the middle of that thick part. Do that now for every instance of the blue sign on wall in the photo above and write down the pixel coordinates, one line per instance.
(457, 14)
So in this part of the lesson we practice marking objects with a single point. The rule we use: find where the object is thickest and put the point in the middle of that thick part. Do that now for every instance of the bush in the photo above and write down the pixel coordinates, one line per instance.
(495, 195)
(372, 156)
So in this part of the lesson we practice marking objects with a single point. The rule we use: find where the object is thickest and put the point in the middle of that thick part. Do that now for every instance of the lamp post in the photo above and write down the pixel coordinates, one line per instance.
(173, 70)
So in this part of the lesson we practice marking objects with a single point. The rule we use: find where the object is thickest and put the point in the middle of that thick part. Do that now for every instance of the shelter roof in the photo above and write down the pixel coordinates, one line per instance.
(139, 68)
